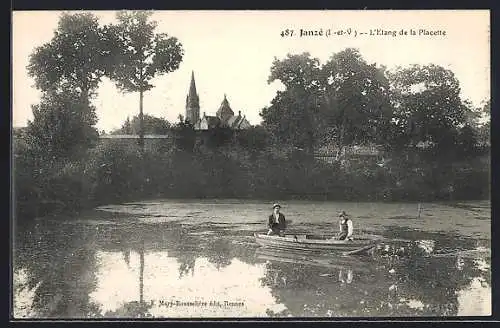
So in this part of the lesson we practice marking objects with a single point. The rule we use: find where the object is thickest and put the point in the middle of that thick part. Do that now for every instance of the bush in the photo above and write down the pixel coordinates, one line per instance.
(116, 171)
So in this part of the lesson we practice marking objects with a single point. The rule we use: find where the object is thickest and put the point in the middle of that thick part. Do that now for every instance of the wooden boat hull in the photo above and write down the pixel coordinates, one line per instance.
(318, 260)
(305, 243)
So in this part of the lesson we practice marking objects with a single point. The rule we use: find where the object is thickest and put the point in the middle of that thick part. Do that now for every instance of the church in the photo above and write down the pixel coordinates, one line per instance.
(224, 116)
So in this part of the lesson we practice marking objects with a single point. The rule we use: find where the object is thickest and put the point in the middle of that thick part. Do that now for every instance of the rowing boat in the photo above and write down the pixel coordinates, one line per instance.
(317, 244)
(324, 261)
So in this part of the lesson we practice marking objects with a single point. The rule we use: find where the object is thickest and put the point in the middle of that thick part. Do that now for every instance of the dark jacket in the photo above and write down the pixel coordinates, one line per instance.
(280, 225)
(343, 224)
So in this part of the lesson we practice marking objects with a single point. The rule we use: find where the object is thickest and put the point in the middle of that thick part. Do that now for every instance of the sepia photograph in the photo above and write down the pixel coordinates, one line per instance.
(250, 164)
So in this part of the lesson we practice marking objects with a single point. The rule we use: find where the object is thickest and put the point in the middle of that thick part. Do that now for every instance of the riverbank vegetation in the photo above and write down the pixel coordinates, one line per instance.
(431, 144)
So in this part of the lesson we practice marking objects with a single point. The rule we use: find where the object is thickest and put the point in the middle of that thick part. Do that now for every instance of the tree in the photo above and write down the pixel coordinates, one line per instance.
(67, 70)
(152, 125)
(62, 125)
(76, 57)
(483, 130)
(468, 133)
(126, 127)
(184, 136)
(142, 55)
(292, 116)
(357, 105)
(486, 111)
(428, 105)
(296, 71)
(254, 139)
(346, 100)
(466, 140)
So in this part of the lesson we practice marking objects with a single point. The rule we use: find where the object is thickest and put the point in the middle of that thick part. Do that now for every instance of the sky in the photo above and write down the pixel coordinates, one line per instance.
(231, 52)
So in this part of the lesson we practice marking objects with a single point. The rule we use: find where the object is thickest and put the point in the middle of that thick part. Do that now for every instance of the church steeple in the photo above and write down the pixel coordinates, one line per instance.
(192, 86)
(192, 103)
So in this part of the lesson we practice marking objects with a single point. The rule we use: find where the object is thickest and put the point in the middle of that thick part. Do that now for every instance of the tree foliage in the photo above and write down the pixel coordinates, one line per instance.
(357, 107)
(294, 111)
(184, 136)
(428, 105)
(483, 131)
(256, 138)
(76, 57)
(62, 125)
(347, 101)
(152, 125)
(141, 54)
(291, 118)
(296, 71)
(67, 69)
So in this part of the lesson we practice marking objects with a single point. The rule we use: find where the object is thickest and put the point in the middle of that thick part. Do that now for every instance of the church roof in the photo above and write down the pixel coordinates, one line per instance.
(224, 109)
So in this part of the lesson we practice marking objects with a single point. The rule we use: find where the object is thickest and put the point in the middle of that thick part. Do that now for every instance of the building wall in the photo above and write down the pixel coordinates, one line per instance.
(203, 124)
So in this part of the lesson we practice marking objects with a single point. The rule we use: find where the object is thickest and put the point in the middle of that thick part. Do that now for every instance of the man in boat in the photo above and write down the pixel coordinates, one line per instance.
(346, 227)
(277, 223)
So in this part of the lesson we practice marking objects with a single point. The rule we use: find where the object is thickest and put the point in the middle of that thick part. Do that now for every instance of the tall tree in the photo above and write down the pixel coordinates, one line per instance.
(67, 69)
(428, 104)
(293, 113)
(357, 106)
(76, 57)
(346, 101)
(300, 70)
(142, 55)
(291, 117)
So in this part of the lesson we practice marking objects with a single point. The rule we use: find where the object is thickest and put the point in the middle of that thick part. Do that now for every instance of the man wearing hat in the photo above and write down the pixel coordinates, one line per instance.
(346, 227)
(277, 223)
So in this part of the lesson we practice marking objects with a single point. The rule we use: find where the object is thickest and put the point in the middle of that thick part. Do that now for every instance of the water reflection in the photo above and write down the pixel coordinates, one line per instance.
(234, 283)
(407, 286)
(57, 274)
(145, 270)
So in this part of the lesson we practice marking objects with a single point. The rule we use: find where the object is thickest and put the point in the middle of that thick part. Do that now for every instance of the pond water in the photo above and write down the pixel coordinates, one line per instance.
(164, 259)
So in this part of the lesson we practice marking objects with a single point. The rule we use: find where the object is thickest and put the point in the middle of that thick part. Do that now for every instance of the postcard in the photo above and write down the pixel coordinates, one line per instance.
(251, 164)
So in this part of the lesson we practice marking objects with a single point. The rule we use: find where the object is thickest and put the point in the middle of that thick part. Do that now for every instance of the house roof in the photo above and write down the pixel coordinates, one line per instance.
(234, 120)
(242, 121)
